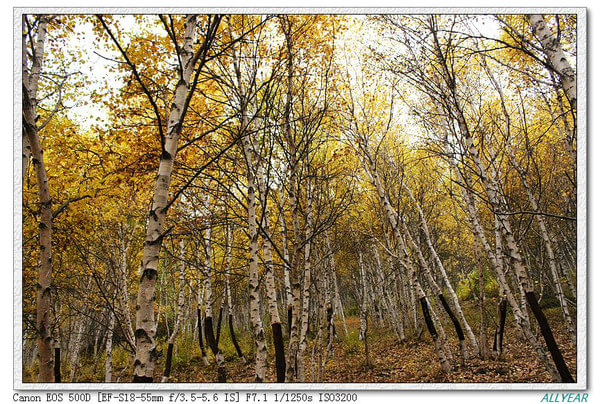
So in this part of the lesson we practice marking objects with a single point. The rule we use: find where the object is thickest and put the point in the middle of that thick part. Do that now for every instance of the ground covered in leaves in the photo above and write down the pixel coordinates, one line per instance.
(414, 361)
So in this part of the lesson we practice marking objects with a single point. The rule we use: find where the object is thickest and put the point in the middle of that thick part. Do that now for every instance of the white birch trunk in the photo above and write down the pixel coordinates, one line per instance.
(438, 292)
(32, 145)
(495, 199)
(286, 261)
(208, 295)
(362, 334)
(306, 287)
(253, 283)
(123, 294)
(552, 49)
(180, 308)
(338, 307)
(294, 335)
(146, 354)
(549, 251)
(109, 341)
(30, 77)
(74, 357)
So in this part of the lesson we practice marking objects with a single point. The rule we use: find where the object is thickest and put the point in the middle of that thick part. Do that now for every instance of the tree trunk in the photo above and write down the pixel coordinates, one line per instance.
(57, 375)
(551, 46)
(74, 357)
(483, 344)
(497, 262)
(338, 307)
(123, 293)
(393, 220)
(229, 300)
(286, 271)
(364, 321)
(109, 341)
(499, 335)
(30, 131)
(179, 315)
(293, 187)
(146, 354)
(200, 321)
(253, 283)
(271, 289)
(306, 286)
(31, 76)
(438, 292)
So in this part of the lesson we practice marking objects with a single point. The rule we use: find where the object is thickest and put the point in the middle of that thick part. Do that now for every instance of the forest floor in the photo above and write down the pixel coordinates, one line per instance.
(414, 361)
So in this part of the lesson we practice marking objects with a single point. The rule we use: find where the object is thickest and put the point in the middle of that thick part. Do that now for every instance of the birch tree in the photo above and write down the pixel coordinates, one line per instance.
(190, 61)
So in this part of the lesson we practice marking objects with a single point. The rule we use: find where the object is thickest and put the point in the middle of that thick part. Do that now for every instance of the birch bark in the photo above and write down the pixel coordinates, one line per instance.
(337, 300)
(30, 77)
(306, 286)
(109, 341)
(271, 289)
(30, 132)
(179, 315)
(229, 299)
(556, 55)
(146, 354)
(253, 283)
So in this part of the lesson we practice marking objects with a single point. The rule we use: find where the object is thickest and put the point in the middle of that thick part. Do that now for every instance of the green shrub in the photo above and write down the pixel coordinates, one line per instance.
(469, 287)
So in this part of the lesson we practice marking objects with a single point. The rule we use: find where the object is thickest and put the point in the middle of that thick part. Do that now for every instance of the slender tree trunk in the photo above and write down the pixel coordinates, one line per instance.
(551, 259)
(123, 293)
(271, 289)
(551, 46)
(338, 307)
(229, 299)
(44, 286)
(499, 335)
(109, 341)
(364, 320)
(146, 354)
(442, 333)
(257, 325)
(33, 147)
(294, 311)
(306, 287)
(179, 315)
(57, 374)
(497, 262)
(394, 320)
(404, 259)
(483, 344)
(31, 77)
(74, 357)
(220, 320)
(286, 271)
(532, 200)
(200, 323)
(208, 311)
(438, 292)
